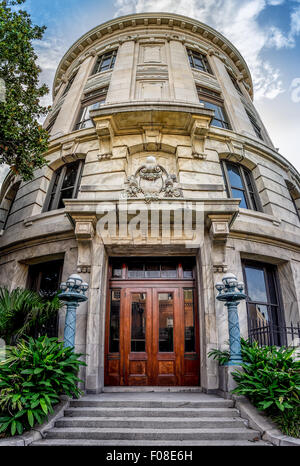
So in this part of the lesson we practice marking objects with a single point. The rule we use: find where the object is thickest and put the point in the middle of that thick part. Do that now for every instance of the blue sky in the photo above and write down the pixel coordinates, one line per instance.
(266, 32)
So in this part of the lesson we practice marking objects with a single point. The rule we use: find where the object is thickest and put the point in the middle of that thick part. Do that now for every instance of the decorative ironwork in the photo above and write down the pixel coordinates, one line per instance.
(268, 334)
(231, 292)
(152, 183)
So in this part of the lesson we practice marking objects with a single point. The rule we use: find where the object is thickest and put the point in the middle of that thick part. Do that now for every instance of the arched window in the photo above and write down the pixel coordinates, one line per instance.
(240, 184)
(7, 205)
(64, 185)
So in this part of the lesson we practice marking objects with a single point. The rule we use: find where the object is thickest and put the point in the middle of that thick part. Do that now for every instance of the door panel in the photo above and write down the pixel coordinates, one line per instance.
(152, 336)
(137, 337)
(165, 340)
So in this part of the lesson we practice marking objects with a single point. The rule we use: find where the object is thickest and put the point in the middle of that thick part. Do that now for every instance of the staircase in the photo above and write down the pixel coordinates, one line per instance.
(155, 418)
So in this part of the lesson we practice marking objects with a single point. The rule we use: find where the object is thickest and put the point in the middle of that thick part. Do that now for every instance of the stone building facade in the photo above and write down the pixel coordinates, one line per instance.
(161, 177)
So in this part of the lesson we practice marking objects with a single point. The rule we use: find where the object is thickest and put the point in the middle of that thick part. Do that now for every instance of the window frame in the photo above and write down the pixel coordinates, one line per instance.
(203, 58)
(256, 127)
(69, 84)
(250, 205)
(234, 82)
(99, 61)
(213, 97)
(270, 273)
(87, 101)
(34, 279)
(15, 188)
(60, 174)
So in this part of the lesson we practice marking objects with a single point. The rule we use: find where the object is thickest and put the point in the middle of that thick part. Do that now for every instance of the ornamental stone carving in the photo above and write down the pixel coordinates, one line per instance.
(151, 182)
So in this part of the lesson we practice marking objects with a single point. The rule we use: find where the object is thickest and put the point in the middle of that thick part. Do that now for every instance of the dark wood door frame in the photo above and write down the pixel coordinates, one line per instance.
(152, 367)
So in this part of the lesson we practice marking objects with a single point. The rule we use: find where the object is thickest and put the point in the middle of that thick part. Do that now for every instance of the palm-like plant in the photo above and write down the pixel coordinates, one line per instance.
(22, 310)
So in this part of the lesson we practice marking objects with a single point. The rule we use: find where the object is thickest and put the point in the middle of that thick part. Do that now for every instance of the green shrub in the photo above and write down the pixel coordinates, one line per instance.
(271, 380)
(32, 377)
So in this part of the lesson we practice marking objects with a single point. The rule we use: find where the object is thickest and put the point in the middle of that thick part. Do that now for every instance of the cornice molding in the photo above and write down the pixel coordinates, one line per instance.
(172, 22)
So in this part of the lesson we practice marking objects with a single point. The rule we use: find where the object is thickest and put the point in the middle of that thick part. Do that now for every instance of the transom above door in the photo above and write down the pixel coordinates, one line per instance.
(152, 324)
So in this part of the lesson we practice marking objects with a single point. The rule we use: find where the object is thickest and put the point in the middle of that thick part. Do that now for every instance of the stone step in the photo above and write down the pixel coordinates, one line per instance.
(150, 423)
(207, 403)
(152, 434)
(142, 443)
(151, 412)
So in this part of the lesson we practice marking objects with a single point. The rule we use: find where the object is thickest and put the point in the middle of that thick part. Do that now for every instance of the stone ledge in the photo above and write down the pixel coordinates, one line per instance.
(259, 421)
(38, 432)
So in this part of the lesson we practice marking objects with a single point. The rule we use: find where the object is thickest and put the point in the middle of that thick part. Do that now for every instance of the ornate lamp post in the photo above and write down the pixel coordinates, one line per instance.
(231, 292)
(73, 293)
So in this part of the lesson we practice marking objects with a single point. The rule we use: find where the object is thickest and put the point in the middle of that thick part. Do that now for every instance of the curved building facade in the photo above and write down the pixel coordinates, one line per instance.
(161, 177)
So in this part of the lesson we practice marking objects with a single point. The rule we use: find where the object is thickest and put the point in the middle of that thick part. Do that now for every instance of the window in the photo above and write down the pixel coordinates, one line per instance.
(240, 185)
(235, 83)
(69, 84)
(52, 122)
(7, 204)
(294, 196)
(264, 311)
(64, 185)
(213, 101)
(91, 101)
(105, 61)
(254, 124)
(199, 61)
(152, 268)
(45, 279)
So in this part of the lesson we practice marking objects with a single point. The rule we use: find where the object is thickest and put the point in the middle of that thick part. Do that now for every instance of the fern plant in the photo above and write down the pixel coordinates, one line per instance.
(22, 310)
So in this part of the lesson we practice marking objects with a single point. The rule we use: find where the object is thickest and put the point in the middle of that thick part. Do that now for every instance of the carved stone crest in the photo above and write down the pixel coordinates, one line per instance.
(151, 182)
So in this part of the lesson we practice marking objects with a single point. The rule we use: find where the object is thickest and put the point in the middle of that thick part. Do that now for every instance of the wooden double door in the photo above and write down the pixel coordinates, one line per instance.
(152, 334)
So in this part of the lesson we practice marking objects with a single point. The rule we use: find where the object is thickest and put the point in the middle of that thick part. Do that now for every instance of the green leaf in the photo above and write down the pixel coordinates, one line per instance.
(44, 406)
(30, 418)
(13, 428)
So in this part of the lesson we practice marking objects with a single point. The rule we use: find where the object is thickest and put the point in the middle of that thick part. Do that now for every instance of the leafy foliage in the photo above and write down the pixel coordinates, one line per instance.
(22, 138)
(32, 377)
(23, 310)
(271, 380)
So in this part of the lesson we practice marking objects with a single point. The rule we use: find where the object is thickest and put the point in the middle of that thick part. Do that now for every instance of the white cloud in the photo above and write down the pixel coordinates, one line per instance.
(238, 21)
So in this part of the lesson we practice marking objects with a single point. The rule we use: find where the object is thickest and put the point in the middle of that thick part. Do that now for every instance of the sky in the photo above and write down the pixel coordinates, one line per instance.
(266, 32)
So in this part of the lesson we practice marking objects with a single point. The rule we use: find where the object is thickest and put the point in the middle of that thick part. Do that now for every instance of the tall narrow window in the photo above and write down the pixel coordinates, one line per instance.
(138, 322)
(295, 197)
(45, 279)
(240, 185)
(7, 205)
(234, 82)
(189, 321)
(114, 326)
(69, 84)
(213, 101)
(91, 101)
(166, 322)
(105, 61)
(199, 61)
(265, 316)
(51, 122)
(255, 125)
(64, 185)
